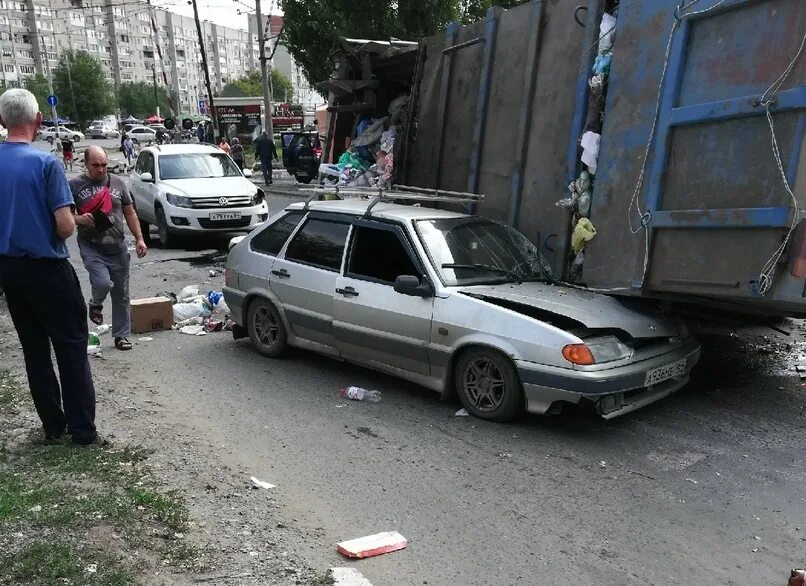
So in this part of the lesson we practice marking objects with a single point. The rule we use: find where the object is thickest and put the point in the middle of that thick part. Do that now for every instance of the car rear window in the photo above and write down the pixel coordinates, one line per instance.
(271, 239)
(319, 243)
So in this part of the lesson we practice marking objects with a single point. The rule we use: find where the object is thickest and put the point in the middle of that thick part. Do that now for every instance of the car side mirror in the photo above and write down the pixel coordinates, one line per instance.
(411, 285)
(247, 172)
(146, 177)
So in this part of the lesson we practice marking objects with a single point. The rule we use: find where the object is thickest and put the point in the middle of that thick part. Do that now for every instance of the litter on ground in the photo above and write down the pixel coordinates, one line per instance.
(261, 483)
(372, 545)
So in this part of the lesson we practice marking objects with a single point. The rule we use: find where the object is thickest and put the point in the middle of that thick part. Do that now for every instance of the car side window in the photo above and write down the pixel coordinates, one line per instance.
(366, 262)
(271, 239)
(148, 164)
(140, 164)
(319, 243)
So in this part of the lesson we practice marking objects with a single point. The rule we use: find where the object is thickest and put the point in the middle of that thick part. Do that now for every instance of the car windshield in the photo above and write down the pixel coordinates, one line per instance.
(197, 166)
(474, 251)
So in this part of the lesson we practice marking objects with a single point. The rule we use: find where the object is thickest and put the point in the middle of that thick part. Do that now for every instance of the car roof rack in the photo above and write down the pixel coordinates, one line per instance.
(396, 193)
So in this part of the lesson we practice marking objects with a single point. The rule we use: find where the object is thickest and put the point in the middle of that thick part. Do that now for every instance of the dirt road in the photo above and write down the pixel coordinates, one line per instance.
(704, 487)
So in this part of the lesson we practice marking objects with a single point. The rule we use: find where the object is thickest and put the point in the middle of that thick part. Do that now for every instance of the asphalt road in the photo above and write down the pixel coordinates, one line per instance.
(705, 487)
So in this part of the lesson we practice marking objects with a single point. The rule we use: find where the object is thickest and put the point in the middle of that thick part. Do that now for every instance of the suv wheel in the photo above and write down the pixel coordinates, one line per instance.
(167, 239)
(488, 385)
(266, 329)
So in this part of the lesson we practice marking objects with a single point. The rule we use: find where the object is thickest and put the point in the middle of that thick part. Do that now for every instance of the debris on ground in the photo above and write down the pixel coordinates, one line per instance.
(145, 339)
(359, 394)
(193, 330)
(797, 578)
(347, 577)
(261, 483)
(461, 413)
(372, 545)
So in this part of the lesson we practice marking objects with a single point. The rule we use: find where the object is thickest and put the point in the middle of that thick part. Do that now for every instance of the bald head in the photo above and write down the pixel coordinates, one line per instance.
(96, 161)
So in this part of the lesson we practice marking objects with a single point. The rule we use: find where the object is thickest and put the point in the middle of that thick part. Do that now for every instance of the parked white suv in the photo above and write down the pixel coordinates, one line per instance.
(193, 189)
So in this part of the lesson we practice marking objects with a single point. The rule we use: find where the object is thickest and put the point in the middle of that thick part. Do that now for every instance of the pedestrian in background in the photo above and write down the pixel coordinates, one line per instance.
(264, 149)
(223, 145)
(68, 150)
(42, 290)
(128, 150)
(200, 133)
(104, 204)
(209, 136)
(237, 154)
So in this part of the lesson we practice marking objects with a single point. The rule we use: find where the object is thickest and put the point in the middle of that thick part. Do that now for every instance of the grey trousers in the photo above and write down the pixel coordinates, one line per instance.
(109, 274)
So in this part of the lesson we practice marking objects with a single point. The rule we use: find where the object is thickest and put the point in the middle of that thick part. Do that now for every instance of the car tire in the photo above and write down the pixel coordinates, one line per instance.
(145, 229)
(76, 138)
(167, 239)
(49, 139)
(305, 181)
(266, 329)
(488, 385)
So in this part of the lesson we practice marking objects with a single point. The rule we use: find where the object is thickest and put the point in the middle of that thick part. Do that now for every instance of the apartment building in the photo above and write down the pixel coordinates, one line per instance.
(33, 34)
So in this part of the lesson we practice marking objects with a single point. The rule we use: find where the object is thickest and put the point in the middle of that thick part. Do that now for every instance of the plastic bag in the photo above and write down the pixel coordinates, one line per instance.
(583, 182)
(582, 234)
(184, 311)
(607, 31)
(213, 297)
(601, 66)
(388, 140)
(187, 293)
(584, 203)
(372, 134)
(590, 153)
(568, 203)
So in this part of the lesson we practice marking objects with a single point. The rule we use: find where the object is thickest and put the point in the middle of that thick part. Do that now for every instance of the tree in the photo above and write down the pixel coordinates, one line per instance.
(475, 10)
(312, 27)
(38, 86)
(82, 88)
(252, 85)
(137, 99)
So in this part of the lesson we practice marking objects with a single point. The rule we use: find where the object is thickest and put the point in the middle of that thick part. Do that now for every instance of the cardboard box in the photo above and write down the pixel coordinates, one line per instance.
(151, 314)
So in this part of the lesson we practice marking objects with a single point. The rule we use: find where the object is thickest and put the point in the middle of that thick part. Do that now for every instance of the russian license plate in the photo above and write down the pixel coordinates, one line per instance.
(218, 216)
(658, 375)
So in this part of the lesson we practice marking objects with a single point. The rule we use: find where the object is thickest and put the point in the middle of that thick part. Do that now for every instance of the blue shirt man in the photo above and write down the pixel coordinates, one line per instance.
(42, 290)
(34, 187)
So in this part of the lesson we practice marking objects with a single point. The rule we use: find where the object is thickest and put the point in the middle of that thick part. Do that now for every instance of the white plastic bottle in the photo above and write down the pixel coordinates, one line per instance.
(359, 394)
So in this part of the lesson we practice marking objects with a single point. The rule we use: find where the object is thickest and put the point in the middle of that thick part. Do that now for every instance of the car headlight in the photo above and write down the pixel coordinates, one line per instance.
(180, 201)
(258, 197)
(608, 349)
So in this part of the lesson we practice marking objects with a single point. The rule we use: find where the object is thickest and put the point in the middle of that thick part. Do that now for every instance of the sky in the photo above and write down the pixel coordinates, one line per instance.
(221, 11)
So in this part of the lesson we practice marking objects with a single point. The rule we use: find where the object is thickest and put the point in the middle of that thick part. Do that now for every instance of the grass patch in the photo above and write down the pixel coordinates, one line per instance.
(70, 492)
(10, 389)
(54, 562)
(167, 507)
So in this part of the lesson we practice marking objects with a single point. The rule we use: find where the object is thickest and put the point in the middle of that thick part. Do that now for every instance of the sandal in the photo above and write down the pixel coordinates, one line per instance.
(96, 315)
(123, 344)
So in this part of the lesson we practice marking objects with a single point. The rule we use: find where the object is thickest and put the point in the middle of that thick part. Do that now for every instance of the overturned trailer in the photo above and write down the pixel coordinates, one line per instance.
(675, 130)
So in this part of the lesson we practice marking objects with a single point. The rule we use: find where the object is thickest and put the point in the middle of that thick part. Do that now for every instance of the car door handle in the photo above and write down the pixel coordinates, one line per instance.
(282, 273)
(347, 292)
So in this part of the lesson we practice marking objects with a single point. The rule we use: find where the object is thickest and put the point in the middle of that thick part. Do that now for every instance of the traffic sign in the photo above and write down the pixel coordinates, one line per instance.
(53, 101)
(202, 107)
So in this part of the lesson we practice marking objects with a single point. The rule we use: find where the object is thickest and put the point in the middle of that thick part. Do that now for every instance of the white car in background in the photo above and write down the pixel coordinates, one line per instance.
(3, 132)
(49, 134)
(194, 189)
(142, 134)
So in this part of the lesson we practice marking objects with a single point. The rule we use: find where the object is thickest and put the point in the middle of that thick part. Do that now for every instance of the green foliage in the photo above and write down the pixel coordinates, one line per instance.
(475, 10)
(137, 99)
(38, 86)
(251, 85)
(82, 88)
(312, 27)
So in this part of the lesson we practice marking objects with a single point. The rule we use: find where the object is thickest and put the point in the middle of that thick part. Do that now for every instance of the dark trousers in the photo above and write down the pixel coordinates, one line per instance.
(265, 166)
(47, 307)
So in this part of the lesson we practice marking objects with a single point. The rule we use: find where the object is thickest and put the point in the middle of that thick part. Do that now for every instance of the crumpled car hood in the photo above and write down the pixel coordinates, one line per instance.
(593, 310)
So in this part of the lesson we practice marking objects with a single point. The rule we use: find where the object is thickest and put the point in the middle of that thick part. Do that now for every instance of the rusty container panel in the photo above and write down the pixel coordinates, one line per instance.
(715, 205)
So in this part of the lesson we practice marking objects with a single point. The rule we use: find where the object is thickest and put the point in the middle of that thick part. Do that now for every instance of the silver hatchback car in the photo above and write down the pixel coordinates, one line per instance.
(451, 302)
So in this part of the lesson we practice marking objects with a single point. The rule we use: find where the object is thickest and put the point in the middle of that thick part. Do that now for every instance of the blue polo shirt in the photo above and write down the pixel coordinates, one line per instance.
(32, 187)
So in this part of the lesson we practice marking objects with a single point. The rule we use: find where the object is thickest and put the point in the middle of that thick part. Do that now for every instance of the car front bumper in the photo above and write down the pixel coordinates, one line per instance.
(192, 220)
(614, 391)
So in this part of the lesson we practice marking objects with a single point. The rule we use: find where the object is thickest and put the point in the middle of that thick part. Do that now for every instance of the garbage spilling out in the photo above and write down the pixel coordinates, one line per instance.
(359, 394)
(261, 484)
(372, 545)
(195, 313)
(369, 160)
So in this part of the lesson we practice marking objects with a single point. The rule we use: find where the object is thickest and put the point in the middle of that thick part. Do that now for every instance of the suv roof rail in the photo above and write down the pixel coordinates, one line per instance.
(397, 192)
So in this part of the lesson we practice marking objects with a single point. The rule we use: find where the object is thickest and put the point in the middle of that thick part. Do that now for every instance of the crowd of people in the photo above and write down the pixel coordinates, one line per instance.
(41, 287)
